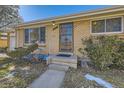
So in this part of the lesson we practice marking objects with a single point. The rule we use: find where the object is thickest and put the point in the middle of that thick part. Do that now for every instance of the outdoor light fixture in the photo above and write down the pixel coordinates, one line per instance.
(55, 26)
(53, 23)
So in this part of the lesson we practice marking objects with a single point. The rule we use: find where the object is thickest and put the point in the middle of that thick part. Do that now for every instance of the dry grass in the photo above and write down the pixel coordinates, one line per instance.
(74, 78)
(115, 77)
(25, 73)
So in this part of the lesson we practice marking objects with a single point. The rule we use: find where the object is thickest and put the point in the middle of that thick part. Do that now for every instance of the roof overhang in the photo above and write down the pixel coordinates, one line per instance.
(72, 16)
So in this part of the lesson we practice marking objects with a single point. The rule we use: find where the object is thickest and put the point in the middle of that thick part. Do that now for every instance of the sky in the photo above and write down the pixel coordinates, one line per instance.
(34, 12)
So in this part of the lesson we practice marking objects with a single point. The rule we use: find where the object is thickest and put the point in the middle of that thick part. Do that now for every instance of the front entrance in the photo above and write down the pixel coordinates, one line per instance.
(66, 37)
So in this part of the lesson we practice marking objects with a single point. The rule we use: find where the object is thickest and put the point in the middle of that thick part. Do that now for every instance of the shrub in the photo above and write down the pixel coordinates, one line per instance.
(3, 50)
(119, 56)
(104, 51)
(20, 52)
(31, 48)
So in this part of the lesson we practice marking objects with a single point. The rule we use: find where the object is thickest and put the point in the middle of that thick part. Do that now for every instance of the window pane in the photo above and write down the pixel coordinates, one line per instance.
(113, 25)
(42, 35)
(26, 35)
(98, 26)
(34, 35)
(69, 31)
(66, 39)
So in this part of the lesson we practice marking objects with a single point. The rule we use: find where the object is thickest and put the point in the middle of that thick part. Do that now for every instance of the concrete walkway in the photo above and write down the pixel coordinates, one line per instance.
(52, 78)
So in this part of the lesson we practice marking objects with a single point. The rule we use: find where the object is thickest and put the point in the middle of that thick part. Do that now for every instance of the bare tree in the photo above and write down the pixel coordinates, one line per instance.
(9, 16)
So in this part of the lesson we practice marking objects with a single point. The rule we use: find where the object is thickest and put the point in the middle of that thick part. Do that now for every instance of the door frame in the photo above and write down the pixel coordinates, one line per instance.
(72, 38)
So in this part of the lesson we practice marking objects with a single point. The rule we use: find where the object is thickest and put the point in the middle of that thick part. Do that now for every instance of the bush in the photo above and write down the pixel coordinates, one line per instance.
(20, 52)
(31, 48)
(119, 56)
(104, 51)
(3, 50)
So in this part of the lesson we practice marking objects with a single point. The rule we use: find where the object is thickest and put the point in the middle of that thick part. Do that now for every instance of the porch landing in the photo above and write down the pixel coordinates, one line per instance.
(68, 61)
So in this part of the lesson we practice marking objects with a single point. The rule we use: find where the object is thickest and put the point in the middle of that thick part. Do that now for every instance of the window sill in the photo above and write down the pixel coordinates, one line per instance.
(27, 44)
(41, 44)
(104, 33)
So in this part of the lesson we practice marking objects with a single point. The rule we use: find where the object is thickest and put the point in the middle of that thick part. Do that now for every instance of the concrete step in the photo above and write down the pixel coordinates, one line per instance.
(59, 67)
(65, 63)
(68, 61)
(64, 59)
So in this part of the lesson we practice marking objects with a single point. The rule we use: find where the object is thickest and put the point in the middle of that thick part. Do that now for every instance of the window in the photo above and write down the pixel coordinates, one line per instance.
(98, 26)
(42, 35)
(33, 35)
(26, 35)
(107, 25)
(113, 25)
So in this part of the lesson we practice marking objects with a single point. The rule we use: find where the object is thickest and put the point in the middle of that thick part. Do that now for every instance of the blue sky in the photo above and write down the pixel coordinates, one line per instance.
(34, 12)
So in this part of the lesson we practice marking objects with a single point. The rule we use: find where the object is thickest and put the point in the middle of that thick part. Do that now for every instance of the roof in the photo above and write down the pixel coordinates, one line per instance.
(81, 14)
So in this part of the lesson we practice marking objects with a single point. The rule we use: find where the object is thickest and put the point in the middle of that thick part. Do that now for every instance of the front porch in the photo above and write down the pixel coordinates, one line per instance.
(60, 58)
(70, 61)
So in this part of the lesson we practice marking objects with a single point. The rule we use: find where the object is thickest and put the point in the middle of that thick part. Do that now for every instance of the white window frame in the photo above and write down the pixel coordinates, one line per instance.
(29, 43)
(40, 37)
(28, 38)
(105, 25)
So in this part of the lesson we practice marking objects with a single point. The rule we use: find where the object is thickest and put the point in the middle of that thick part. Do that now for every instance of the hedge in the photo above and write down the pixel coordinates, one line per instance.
(20, 52)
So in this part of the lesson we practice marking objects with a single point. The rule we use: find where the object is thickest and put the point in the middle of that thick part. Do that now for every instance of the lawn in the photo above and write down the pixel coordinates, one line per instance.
(2, 58)
(74, 78)
(20, 73)
(115, 77)
(25, 72)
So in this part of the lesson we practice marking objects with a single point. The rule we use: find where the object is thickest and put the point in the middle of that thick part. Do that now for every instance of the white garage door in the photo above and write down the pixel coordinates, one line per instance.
(12, 43)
